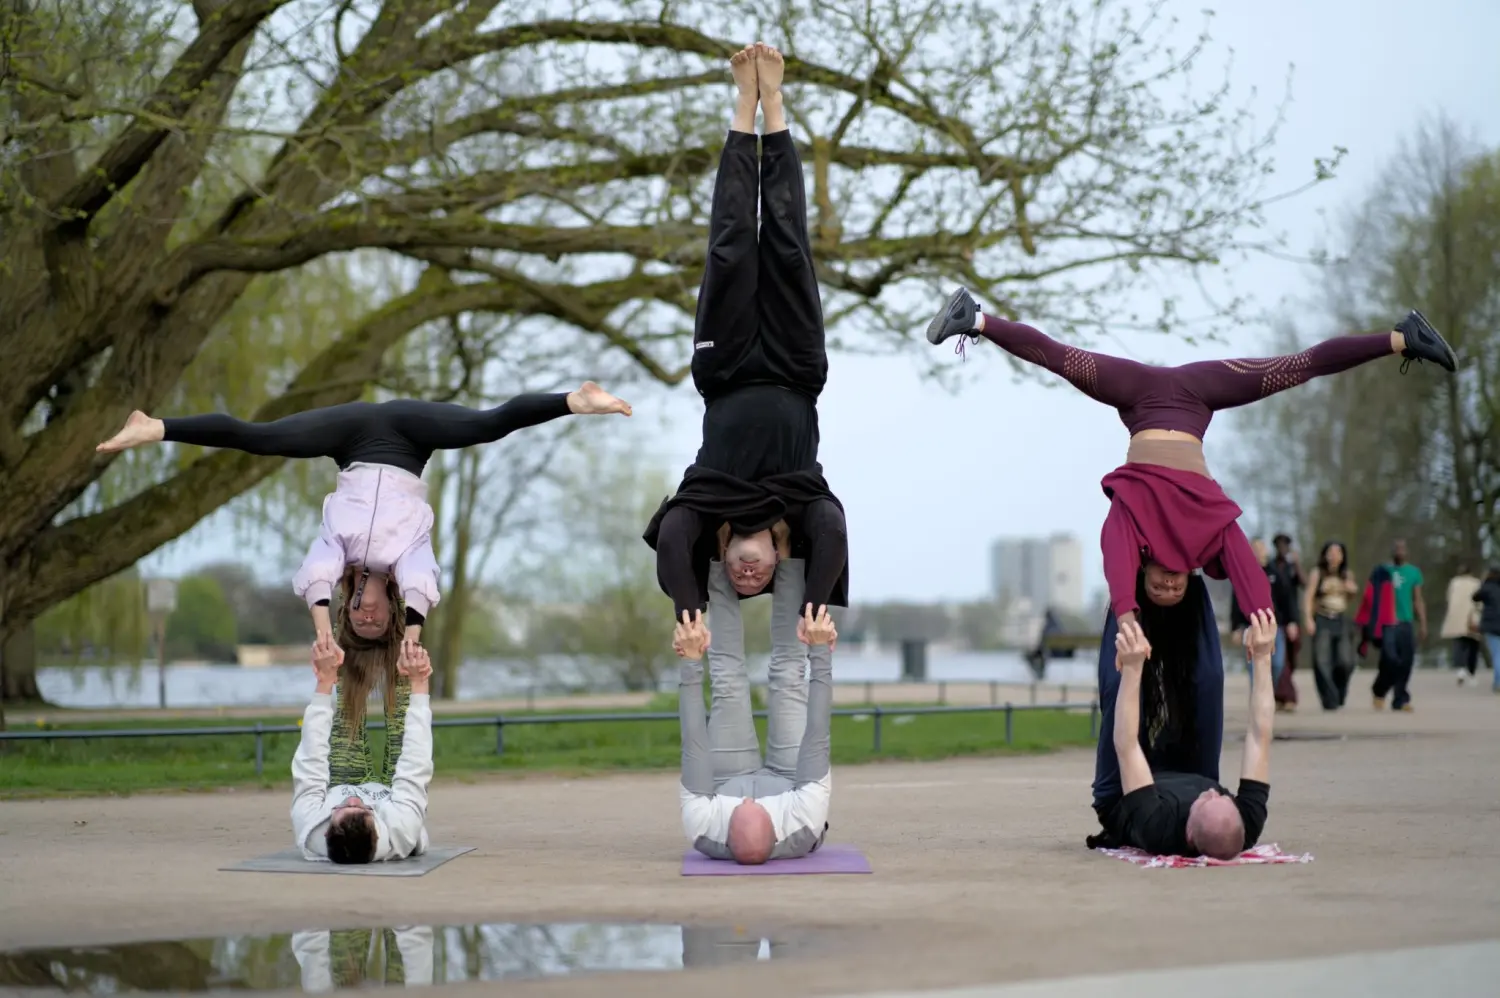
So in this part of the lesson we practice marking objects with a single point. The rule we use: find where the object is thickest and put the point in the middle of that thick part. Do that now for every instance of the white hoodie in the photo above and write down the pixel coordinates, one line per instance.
(400, 809)
(377, 516)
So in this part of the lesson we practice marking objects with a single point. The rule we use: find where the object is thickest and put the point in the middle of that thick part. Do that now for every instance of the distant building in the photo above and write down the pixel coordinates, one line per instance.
(1042, 572)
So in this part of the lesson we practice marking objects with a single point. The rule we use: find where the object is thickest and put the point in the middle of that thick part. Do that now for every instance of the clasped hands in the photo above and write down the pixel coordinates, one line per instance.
(328, 658)
(691, 637)
(1132, 649)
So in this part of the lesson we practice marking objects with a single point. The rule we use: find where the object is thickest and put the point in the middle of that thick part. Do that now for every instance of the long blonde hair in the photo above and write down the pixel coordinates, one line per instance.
(368, 661)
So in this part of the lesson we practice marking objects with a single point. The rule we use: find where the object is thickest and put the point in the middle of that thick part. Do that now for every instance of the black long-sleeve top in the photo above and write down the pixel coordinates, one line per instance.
(1285, 579)
(758, 465)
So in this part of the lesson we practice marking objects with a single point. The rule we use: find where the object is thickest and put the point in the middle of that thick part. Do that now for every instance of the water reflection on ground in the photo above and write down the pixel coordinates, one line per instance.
(409, 956)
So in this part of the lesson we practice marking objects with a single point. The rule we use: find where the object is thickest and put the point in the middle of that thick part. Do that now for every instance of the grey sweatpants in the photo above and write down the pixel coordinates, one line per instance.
(731, 728)
(721, 754)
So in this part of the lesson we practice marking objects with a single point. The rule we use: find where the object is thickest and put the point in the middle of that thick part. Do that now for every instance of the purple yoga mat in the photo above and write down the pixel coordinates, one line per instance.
(830, 858)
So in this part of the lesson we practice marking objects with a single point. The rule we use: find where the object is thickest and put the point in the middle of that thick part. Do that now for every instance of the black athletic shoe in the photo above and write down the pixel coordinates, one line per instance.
(956, 319)
(1425, 343)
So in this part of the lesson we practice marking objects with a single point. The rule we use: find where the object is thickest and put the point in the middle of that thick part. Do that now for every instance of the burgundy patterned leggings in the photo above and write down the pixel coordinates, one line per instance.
(1195, 390)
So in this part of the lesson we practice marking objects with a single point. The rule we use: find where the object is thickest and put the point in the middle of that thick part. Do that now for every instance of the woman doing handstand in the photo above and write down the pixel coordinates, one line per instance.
(377, 525)
(1163, 504)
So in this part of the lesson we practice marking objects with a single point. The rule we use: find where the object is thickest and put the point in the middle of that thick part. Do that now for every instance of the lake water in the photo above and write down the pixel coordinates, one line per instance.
(211, 685)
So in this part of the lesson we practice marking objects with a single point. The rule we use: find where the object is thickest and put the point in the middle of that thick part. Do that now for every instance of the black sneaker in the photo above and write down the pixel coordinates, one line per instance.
(956, 319)
(1422, 342)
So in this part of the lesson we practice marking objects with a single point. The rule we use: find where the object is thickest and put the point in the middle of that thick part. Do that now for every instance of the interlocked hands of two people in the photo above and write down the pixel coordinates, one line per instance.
(327, 658)
(325, 645)
(691, 637)
(1260, 636)
(1132, 649)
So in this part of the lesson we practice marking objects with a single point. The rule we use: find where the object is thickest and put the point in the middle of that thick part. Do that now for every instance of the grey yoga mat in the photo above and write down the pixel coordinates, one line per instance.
(291, 861)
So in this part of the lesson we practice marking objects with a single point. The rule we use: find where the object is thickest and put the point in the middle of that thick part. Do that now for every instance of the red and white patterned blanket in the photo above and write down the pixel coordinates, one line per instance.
(1261, 854)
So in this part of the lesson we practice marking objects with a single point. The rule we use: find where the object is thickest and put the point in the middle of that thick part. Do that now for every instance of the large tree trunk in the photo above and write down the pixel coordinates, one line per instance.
(18, 668)
(450, 644)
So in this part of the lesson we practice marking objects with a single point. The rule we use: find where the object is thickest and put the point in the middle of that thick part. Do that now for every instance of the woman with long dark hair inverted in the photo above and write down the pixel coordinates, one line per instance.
(1182, 686)
(1161, 733)
(375, 543)
(1162, 500)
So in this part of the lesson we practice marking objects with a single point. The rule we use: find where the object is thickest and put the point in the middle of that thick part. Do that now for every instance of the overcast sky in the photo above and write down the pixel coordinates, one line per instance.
(929, 478)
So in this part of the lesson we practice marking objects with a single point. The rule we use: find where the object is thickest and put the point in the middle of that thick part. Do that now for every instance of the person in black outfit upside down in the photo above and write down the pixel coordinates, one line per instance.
(755, 495)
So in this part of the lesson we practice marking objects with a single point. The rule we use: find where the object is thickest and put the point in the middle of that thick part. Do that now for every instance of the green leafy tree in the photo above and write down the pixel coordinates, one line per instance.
(1369, 456)
(166, 166)
(203, 624)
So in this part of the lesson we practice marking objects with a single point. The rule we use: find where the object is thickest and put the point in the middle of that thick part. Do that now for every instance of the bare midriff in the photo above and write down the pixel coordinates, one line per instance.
(1168, 449)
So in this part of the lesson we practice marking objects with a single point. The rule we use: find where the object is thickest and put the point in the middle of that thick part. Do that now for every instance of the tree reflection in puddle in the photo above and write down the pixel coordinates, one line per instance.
(409, 956)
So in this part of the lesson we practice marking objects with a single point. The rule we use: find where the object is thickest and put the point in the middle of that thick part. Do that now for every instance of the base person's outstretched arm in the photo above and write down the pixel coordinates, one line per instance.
(1261, 641)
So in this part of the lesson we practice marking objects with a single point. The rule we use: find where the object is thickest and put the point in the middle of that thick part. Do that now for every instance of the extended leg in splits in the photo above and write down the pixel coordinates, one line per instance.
(402, 433)
(1216, 384)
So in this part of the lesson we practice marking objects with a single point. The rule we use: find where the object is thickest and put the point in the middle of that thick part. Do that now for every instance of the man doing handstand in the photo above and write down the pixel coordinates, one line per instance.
(1187, 814)
(755, 494)
(342, 809)
(734, 804)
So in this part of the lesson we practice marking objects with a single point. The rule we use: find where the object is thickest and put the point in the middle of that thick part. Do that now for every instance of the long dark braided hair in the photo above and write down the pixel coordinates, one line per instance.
(1169, 686)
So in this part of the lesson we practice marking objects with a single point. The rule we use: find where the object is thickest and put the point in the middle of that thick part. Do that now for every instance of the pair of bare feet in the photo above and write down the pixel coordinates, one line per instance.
(588, 400)
(757, 71)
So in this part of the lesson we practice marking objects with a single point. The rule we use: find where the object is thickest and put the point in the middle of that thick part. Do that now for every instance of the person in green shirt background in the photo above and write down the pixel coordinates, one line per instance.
(1398, 642)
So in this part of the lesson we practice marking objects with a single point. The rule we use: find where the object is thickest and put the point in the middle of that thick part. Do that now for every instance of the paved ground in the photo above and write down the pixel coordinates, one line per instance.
(981, 877)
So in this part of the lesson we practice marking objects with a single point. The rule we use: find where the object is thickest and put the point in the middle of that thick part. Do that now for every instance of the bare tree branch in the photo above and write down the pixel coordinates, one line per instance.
(224, 29)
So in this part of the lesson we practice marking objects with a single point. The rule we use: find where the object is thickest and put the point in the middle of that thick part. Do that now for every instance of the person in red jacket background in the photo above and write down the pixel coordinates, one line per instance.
(1379, 620)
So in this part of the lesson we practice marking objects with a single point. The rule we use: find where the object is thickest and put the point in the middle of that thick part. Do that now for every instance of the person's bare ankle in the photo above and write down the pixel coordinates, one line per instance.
(773, 116)
(743, 67)
(744, 118)
(770, 67)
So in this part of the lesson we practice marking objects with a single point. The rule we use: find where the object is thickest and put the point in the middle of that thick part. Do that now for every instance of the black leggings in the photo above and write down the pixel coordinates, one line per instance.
(760, 317)
(402, 433)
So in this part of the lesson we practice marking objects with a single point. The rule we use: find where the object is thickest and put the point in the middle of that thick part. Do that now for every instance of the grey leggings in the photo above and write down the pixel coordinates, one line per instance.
(721, 755)
(731, 728)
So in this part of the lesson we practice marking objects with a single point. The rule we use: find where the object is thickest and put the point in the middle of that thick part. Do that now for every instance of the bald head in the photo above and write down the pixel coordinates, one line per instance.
(751, 834)
(1215, 827)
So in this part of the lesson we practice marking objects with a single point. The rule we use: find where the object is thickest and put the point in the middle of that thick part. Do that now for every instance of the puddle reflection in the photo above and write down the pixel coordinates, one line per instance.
(408, 956)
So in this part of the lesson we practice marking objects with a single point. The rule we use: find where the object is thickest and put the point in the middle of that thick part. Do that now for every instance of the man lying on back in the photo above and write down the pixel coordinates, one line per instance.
(1185, 814)
(342, 809)
(735, 803)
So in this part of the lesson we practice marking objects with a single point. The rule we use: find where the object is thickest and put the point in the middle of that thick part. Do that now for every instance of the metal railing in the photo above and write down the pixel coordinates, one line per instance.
(500, 722)
(562, 691)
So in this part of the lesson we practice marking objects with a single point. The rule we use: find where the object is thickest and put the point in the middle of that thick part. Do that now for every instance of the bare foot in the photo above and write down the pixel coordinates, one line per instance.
(139, 429)
(769, 68)
(591, 400)
(742, 65)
